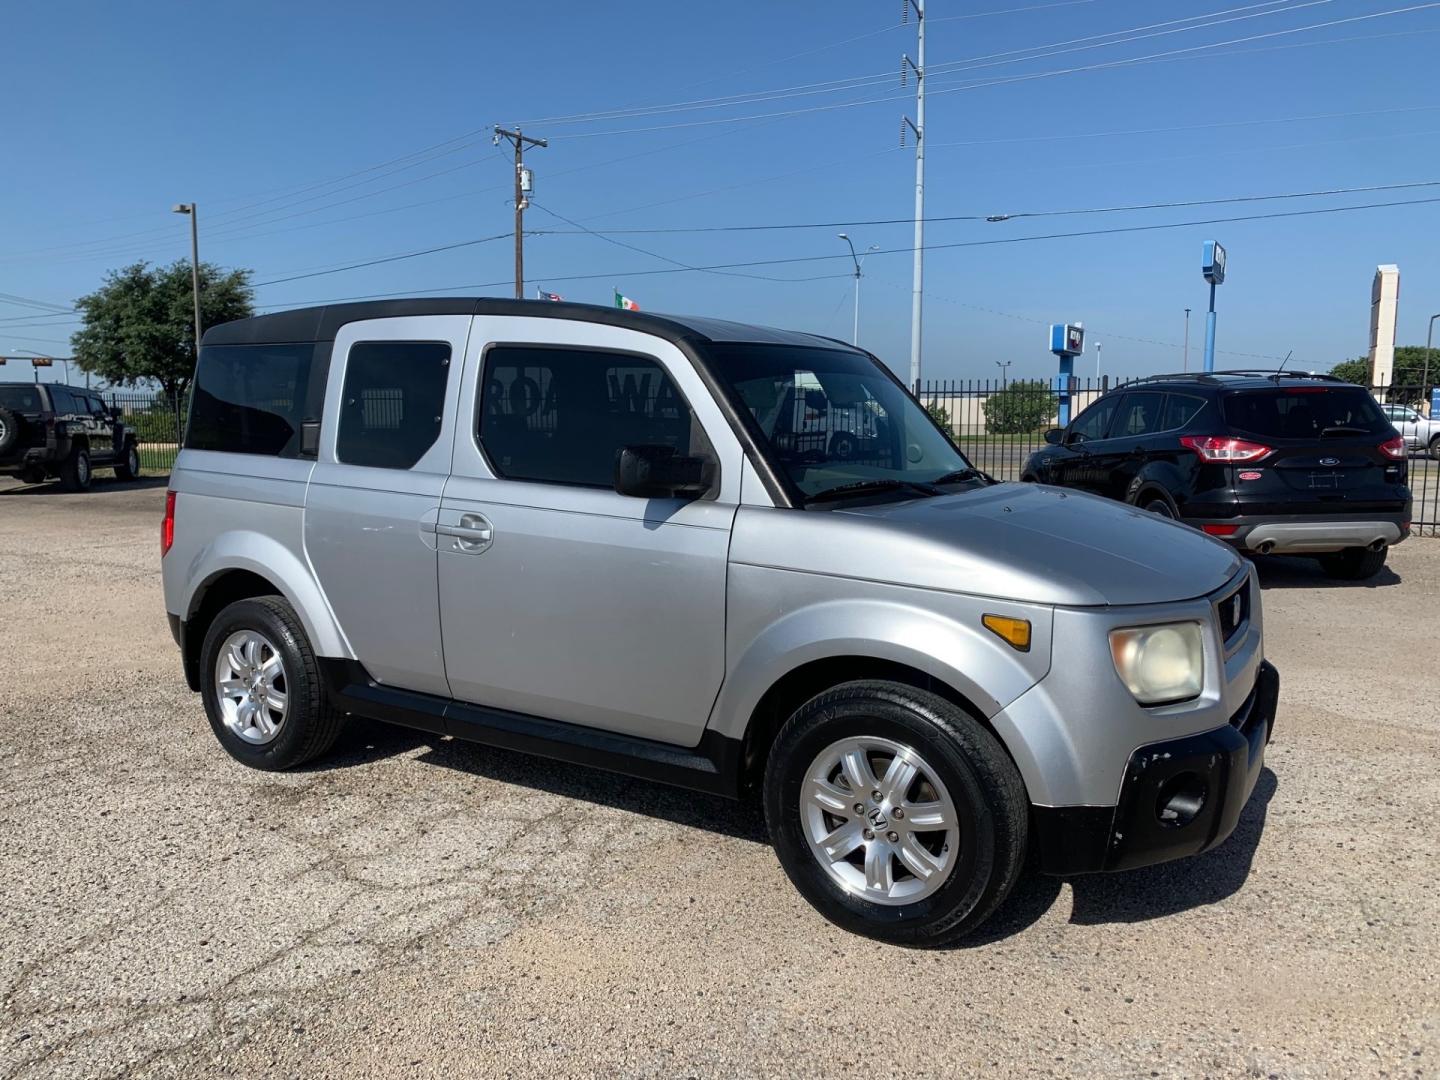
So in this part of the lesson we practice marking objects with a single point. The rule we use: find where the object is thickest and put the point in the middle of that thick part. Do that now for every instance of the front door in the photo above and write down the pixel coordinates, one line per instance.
(374, 493)
(559, 597)
(1081, 468)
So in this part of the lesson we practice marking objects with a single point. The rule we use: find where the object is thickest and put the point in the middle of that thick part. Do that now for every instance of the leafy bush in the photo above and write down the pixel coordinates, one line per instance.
(1024, 406)
(157, 424)
(939, 413)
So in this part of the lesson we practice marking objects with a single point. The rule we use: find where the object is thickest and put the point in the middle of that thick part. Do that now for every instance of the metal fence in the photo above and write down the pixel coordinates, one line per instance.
(999, 424)
(157, 421)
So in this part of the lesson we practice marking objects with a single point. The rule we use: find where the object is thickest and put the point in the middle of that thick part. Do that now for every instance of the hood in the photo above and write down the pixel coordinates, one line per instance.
(1021, 542)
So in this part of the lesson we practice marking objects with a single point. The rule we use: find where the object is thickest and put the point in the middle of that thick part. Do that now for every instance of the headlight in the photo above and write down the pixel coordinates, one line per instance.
(1160, 664)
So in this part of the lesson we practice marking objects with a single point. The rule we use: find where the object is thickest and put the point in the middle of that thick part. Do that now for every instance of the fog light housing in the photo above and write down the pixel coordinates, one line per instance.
(1160, 665)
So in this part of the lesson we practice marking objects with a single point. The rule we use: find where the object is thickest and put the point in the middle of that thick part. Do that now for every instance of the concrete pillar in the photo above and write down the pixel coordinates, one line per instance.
(1384, 308)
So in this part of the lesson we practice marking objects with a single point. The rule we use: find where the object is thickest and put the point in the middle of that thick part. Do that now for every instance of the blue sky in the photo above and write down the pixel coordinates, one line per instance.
(265, 114)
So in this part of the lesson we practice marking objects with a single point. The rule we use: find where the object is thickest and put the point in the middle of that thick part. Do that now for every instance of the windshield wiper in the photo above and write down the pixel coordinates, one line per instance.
(959, 476)
(870, 487)
(1344, 429)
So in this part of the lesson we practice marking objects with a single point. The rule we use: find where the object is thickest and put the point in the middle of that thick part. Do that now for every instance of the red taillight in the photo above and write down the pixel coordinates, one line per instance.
(1221, 530)
(1394, 448)
(1217, 449)
(167, 527)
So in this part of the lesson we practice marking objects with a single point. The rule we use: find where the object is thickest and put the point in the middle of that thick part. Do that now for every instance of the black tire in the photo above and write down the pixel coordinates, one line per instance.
(33, 475)
(843, 446)
(75, 472)
(311, 725)
(129, 466)
(1435, 448)
(9, 430)
(1152, 502)
(983, 782)
(1354, 564)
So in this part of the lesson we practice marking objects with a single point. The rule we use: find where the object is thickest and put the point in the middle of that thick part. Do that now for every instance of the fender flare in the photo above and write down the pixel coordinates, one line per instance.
(267, 558)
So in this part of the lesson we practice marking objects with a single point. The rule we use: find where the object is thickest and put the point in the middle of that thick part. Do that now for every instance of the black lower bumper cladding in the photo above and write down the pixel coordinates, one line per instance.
(1178, 798)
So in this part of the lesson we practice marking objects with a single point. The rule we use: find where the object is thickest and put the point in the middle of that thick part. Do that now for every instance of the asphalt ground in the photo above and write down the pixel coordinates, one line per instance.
(416, 907)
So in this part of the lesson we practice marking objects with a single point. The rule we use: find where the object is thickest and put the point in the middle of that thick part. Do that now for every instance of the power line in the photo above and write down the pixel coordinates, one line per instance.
(385, 259)
(31, 302)
(1116, 230)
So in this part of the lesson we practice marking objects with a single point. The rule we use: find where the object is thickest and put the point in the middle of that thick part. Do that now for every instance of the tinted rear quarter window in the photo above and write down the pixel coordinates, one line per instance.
(1304, 412)
(392, 403)
(21, 399)
(249, 399)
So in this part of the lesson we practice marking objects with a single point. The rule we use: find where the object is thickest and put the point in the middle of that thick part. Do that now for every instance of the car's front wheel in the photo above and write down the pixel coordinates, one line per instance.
(895, 812)
(261, 686)
(1354, 564)
(129, 467)
(1435, 448)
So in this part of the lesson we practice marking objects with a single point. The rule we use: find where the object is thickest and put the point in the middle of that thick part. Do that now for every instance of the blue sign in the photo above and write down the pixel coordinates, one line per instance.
(1435, 403)
(1067, 339)
(1212, 263)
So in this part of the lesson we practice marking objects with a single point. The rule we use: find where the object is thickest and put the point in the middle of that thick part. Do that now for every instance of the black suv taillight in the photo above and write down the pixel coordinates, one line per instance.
(1394, 448)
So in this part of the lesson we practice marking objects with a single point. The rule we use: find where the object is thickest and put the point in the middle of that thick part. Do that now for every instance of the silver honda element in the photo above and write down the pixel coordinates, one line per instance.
(735, 559)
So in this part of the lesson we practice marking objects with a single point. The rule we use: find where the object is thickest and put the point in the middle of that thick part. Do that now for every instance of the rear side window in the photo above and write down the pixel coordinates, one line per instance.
(393, 402)
(1180, 409)
(561, 415)
(1139, 414)
(62, 402)
(1304, 412)
(249, 399)
(21, 399)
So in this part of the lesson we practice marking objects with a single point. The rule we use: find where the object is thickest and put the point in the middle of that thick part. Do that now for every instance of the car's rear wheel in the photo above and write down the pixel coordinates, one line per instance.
(75, 472)
(33, 475)
(261, 686)
(895, 812)
(128, 468)
(1435, 448)
(1158, 505)
(1354, 564)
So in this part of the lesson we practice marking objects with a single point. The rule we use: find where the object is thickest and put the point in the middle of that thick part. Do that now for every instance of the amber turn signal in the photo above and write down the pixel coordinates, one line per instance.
(1014, 632)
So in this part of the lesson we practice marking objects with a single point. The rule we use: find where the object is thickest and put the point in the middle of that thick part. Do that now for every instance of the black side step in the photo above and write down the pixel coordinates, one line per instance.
(712, 767)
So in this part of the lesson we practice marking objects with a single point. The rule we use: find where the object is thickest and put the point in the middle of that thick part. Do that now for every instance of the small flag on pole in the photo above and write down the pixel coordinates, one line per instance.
(541, 294)
(622, 301)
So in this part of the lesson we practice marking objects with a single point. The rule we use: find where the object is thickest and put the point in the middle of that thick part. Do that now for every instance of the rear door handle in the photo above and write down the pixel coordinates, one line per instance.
(474, 533)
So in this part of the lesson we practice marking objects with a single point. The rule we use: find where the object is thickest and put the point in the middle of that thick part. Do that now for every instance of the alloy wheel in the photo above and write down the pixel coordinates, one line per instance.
(251, 689)
(879, 820)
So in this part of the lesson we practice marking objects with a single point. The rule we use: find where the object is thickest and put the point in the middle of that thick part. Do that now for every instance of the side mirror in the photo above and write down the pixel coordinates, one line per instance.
(1054, 435)
(658, 472)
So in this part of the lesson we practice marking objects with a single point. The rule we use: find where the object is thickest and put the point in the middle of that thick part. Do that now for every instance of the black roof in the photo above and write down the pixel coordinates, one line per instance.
(322, 323)
(1239, 379)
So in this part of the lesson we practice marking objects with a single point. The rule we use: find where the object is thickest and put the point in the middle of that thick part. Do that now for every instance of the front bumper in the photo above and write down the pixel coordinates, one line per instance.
(1179, 797)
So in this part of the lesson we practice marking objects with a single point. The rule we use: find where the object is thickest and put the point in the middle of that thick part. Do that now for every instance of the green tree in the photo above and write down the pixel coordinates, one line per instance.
(140, 324)
(1409, 380)
(939, 413)
(1023, 406)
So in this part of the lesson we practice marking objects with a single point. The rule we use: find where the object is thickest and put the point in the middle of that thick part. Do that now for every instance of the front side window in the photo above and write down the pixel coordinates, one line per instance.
(1093, 422)
(834, 420)
(561, 415)
(249, 399)
(393, 402)
(1139, 415)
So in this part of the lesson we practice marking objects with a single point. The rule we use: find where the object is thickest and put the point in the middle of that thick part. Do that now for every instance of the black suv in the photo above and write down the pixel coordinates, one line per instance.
(65, 431)
(1288, 463)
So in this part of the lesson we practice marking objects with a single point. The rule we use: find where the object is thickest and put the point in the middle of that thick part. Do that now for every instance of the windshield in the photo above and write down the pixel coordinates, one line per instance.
(1305, 412)
(833, 418)
(21, 399)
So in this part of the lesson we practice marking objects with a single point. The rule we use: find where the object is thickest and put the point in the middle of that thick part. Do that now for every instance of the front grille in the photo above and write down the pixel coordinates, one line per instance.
(1233, 612)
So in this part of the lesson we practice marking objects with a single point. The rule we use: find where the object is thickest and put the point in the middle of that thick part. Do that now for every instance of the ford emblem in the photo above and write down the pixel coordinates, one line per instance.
(1330, 461)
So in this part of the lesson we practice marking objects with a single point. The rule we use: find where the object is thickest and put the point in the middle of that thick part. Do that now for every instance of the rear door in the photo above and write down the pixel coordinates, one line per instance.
(26, 404)
(374, 494)
(102, 428)
(1325, 451)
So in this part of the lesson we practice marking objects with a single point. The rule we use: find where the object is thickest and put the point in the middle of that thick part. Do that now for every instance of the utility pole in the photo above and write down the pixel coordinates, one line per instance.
(1186, 365)
(189, 208)
(1097, 361)
(522, 192)
(918, 127)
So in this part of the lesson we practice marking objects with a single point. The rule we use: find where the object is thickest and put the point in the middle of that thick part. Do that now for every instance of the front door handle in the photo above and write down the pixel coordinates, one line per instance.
(473, 533)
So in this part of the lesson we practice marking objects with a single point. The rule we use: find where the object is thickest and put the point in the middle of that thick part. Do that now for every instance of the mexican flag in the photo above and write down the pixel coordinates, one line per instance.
(622, 301)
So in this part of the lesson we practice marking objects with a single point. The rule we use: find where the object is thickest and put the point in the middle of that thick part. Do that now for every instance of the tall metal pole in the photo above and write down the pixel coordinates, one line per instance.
(1097, 361)
(191, 210)
(1425, 377)
(919, 126)
(1210, 332)
(1186, 366)
(855, 334)
(521, 201)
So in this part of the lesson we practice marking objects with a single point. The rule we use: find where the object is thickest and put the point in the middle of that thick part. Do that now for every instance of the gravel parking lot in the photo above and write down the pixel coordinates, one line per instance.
(418, 907)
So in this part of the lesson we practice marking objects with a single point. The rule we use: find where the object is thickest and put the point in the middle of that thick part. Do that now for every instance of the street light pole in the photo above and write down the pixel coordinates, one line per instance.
(1186, 364)
(1004, 366)
(1097, 361)
(189, 209)
(857, 260)
(1425, 378)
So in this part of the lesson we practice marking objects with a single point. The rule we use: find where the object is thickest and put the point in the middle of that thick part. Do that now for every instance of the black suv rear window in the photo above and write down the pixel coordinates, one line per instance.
(21, 399)
(1304, 412)
(249, 399)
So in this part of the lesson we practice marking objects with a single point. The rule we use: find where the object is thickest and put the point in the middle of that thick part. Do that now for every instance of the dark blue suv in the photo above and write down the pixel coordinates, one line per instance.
(1293, 464)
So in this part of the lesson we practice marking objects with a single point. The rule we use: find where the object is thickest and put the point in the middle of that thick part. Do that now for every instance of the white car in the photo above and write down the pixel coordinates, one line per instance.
(1418, 432)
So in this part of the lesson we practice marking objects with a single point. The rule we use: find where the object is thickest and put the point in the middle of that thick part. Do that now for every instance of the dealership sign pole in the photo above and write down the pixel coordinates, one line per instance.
(1212, 266)
(1067, 341)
